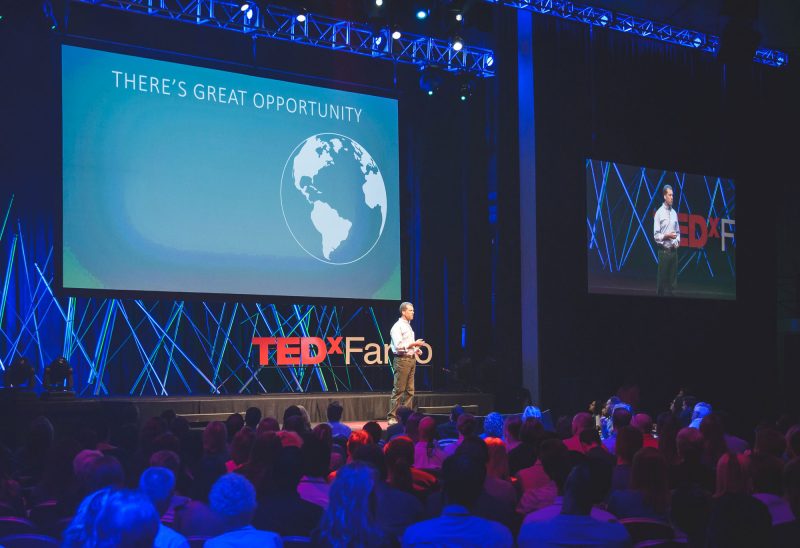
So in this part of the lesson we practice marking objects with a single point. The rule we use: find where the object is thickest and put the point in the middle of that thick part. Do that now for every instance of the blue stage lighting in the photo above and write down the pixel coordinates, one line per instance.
(457, 43)
(245, 6)
(422, 14)
(249, 14)
(396, 34)
(489, 60)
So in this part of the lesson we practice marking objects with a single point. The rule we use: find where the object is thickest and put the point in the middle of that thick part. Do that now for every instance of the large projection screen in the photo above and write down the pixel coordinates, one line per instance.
(185, 179)
(627, 217)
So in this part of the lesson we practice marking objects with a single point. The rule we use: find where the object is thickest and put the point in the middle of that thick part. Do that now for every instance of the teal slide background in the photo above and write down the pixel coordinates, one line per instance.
(182, 194)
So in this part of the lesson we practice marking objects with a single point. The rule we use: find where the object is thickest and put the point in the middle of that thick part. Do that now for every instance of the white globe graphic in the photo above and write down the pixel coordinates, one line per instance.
(333, 198)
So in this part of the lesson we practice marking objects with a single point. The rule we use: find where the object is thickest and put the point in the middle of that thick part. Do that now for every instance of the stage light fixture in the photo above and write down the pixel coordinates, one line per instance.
(249, 14)
(457, 44)
(244, 6)
(379, 3)
(489, 60)
(396, 34)
(429, 82)
(459, 16)
(301, 17)
(422, 14)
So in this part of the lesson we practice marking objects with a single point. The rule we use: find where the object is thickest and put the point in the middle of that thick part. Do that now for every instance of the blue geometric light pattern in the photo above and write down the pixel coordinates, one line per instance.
(617, 224)
(138, 347)
(640, 26)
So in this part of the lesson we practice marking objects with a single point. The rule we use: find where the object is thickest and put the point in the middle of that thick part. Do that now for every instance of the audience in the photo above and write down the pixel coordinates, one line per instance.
(334, 414)
(703, 482)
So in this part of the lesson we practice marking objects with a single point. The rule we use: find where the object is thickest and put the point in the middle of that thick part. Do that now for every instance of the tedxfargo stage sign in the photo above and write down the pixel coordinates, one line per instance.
(314, 350)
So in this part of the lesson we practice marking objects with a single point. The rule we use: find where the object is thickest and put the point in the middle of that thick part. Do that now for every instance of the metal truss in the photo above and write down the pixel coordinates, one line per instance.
(637, 25)
(279, 23)
(136, 347)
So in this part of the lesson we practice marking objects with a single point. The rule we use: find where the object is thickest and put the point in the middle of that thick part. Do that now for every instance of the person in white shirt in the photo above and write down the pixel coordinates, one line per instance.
(667, 235)
(405, 349)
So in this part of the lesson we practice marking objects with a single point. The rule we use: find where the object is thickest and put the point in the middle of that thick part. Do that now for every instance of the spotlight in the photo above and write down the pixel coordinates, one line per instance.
(459, 17)
(249, 14)
(47, 9)
(379, 3)
(489, 60)
(429, 82)
(20, 374)
(301, 17)
(396, 34)
(457, 44)
(465, 92)
(244, 6)
(422, 14)
(58, 375)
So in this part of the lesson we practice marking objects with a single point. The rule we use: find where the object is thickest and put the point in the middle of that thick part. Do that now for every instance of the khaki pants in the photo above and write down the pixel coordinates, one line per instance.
(403, 391)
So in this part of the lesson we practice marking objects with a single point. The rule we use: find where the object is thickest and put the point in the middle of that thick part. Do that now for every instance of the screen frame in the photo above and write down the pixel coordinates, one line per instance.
(247, 70)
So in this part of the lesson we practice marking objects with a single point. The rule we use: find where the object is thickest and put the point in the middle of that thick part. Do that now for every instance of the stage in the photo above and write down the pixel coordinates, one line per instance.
(70, 414)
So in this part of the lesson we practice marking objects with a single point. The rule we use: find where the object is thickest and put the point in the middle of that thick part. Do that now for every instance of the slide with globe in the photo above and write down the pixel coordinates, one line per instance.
(186, 179)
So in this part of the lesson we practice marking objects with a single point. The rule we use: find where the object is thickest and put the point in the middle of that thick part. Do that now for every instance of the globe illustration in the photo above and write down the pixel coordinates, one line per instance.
(333, 198)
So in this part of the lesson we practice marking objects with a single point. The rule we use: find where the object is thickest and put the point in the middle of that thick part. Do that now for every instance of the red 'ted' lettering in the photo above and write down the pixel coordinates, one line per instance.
(289, 351)
(695, 222)
(263, 348)
(305, 350)
(713, 223)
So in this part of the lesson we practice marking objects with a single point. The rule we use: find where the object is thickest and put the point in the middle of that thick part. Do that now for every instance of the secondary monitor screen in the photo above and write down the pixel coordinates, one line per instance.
(660, 232)
(178, 178)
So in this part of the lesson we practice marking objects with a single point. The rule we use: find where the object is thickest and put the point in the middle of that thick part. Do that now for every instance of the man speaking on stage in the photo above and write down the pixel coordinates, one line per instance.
(667, 235)
(405, 349)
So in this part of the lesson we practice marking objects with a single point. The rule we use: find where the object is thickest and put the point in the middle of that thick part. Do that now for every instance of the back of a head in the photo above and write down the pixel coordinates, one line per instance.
(511, 427)
(701, 410)
(324, 433)
(399, 454)
(589, 437)
(166, 459)
(498, 458)
(427, 429)
(493, 425)
(403, 413)
(233, 498)
(242, 445)
(349, 518)
(770, 441)
(103, 472)
(463, 477)
(733, 474)
(582, 488)
(531, 412)
(476, 448)
(412, 426)
(766, 473)
(642, 422)
(650, 476)
(335, 411)
(375, 431)
(113, 518)
(268, 424)
(357, 439)
(295, 423)
(233, 424)
(690, 443)
(316, 457)
(558, 464)
(456, 412)
(621, 417)
(288, 469)
(467, 425)
(252, 417)
(215, 438)
(531, 431)
(372, 455)
(265, 450)
(581, 421)
(158, 484)
(629, 441)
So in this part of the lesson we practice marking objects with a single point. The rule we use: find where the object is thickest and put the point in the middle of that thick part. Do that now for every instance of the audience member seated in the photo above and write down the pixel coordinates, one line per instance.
(241, 446)
(714, 436)
(766, 473)
(375, 432)
(544, 477)
(580, 422)
(259, 468)
(737, 519)
(498, 480)
(233, 424)
(648, 495)
(334, 413)
(412, 426)
(531, 412)
(628, 442)
(350, 518)
(447, 430)
(620, 418)
(314, 486)
(171, 461)
(212, 464)
(493, 426)
(701, 410)
(399, 428)
(252, 417)
(427, 453)
(233, 498)
(280, 508)
(268, 424)
(592, 446)
(463, 478)
(586, 485)
(401, 473)
(159, 486)
(770, 441)
(667, 432)
(394, 509)
(524, 454)
(691, 471)
(606, 421)
(644, 423)
(113, 517)
(511, 427)
(690, 507)
(466, 426)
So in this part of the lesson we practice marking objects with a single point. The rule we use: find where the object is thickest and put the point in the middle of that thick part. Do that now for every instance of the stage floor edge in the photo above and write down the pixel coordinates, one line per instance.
(357, 406)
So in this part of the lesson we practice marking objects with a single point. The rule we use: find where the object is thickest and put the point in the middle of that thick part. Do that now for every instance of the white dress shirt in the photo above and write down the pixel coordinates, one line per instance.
(665, 221)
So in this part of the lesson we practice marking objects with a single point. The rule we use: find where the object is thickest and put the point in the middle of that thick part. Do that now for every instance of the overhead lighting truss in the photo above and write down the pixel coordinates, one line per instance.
(637, 25)
(279, 23)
